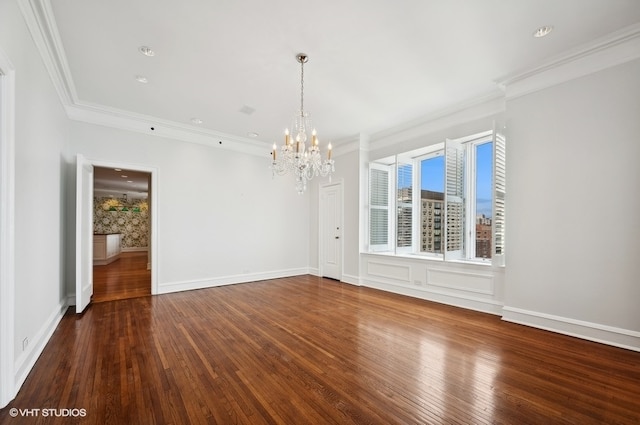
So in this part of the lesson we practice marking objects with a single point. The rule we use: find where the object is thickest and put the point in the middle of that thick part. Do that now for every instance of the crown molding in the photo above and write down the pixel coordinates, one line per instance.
(346, 145)
(490, 104)
(611, 50)
(40, 20)
(125, 120)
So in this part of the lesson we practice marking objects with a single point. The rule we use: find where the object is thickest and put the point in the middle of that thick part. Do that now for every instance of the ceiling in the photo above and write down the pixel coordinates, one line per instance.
(116, 182)
(373, 65)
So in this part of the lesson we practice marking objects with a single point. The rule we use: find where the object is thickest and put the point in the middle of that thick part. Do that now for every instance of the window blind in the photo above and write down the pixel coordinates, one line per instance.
(500, 174)
(378, 207)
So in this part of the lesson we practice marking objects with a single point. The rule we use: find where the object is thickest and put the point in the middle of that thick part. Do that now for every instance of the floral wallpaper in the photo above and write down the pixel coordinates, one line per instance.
(132, 222)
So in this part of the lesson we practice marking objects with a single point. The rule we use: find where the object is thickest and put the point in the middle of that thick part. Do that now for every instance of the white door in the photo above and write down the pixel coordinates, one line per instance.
(331, 231)
(84, 232)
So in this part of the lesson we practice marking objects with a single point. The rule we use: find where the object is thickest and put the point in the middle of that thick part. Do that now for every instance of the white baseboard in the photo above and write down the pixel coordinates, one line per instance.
(135, 249)
(458, 300)
(596, 332)
(354, 280)
(350, 279)
(27, 359)
(167, 288)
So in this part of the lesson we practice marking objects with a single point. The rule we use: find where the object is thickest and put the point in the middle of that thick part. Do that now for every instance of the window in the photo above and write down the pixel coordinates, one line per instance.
(448, 200)
(483, 202)
(431, 201)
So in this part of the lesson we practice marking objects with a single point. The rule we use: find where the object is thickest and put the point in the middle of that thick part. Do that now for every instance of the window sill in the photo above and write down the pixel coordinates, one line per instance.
(429, 258)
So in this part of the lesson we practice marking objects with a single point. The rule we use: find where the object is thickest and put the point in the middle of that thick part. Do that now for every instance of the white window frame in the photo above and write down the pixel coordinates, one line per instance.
(465, 149)
(390, 170)
(402, 159)
(437, 150)
(471, 143)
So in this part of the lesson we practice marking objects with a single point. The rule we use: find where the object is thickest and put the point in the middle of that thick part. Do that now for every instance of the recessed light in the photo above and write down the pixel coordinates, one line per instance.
(129, 181)
(146, 50)
(123, 176)
(196, 120)
(252, 134)
(142, 79)
(117, 169)
(543, 31)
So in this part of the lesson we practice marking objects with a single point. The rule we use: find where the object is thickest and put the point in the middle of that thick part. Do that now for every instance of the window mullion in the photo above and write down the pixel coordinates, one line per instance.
(454, 200)
(417, 202)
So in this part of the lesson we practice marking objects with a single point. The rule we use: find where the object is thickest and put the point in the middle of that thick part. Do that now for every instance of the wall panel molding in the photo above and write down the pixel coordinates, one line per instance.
(397, 272)
(466, 301)
(480, 283)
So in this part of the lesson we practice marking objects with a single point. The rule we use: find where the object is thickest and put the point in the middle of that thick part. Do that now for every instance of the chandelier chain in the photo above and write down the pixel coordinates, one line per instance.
(302, 88)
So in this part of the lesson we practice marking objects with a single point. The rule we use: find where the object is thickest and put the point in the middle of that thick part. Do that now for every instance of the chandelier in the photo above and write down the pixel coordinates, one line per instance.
(294, 155)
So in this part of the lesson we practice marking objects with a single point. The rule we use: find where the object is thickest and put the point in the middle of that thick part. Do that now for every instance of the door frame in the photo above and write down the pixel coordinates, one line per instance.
(153, 211)
(322, 225)
(7, 229)
(84, 220)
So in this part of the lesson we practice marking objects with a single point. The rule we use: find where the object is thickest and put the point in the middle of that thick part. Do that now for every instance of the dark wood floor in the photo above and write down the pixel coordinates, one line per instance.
(126, 277)
(308, 350)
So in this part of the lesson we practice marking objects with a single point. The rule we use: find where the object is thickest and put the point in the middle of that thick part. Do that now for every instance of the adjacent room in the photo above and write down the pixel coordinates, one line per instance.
(121, 234)
(420, 211)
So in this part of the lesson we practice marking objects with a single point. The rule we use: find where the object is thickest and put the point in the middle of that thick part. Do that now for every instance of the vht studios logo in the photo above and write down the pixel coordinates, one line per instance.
(60, 413)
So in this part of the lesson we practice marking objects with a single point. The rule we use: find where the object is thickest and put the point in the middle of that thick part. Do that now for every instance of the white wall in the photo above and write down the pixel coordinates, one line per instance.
(573, 202)
(41, 132)
(221, 217)
(349, 172)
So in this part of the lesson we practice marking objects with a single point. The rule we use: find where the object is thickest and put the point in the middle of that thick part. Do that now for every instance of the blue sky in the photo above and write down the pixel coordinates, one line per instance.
(484, 177)
(432, 174)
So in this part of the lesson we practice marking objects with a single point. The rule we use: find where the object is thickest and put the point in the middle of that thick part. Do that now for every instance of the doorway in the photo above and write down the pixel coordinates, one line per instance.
(108, 222)
(121, 234)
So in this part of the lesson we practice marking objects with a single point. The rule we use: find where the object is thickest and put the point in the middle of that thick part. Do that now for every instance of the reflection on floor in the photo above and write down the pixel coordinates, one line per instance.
(126, 277)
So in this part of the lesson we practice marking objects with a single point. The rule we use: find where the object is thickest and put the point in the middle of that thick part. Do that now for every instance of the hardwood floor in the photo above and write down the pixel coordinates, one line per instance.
(126, 277)
(308, 350)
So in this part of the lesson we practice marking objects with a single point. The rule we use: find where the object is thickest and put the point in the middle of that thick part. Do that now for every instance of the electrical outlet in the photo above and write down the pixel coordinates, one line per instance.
(417, 282)
(25, 343)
